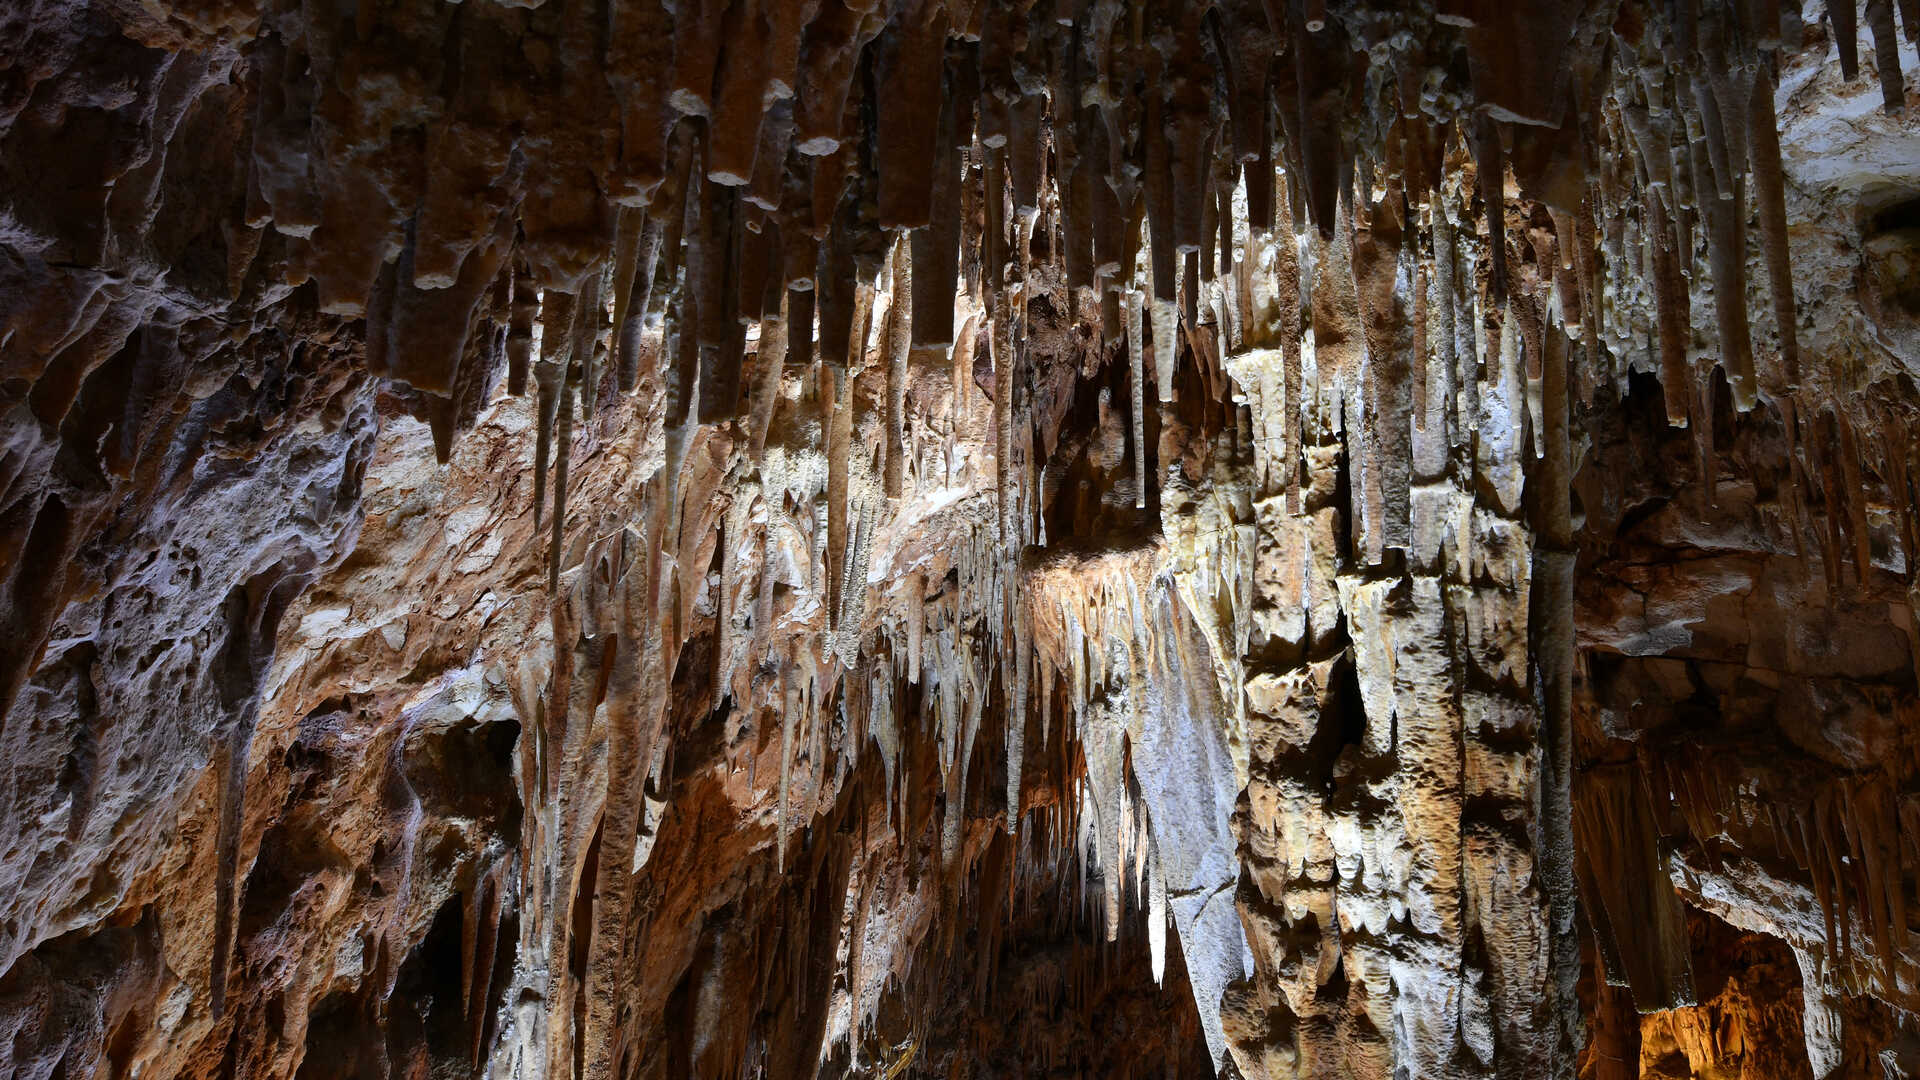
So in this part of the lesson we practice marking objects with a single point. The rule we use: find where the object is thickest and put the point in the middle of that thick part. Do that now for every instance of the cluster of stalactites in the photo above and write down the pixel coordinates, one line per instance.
(1856, 838)
(775, 167)
(1154, 148)
(1194, 234)
(781, 168)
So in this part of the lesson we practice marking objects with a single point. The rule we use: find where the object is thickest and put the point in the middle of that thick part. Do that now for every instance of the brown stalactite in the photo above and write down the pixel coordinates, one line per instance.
(1449, 357)
(563, 458)
(837, 400)
(588, 318)
(1726, 258)
(1671, 306)
(1845, 18)
(1769, 188)
(714, 271)
(1421, 355)
(1886, 54)
(1490, 165)
(770, 360)
(906, 146)
(526, 308)
(626, 270)
(629, 329)
(556, 330)
(897, 344)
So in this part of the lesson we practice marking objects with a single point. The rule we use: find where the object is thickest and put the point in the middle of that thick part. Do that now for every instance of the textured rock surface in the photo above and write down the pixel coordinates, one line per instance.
(959, 538)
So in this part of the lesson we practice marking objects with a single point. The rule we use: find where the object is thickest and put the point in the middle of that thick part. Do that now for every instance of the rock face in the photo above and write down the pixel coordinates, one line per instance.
(672, 538)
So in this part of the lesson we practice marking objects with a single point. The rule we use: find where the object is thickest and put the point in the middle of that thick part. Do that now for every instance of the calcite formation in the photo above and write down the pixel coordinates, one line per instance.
(716, 538)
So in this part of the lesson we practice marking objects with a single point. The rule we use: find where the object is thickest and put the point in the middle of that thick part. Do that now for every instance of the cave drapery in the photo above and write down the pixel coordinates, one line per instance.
(716, 538)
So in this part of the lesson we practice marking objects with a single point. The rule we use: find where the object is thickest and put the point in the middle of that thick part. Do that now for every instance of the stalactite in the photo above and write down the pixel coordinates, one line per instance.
(1721, 175)
(1707, 463)
(1446, 308)
(1001, 338)
(898, 343)
(1420, 353)
(556, 311)
(1379, 259)
(526, 308)
(586, 335)
(1853, 496)
(854, 584)
(1526, 311)
(1726, 256)
(1637, 917)
(916, 620)
(563, 443)
(629, 327)
(632, 224)
(789, 715)
(1671, 308)
(837, 402)
(1136, 372)
(769, 360)
(1490, 161)
(1016, 734)
(1337, 347)
(760, 644)
(233, 784)
(1769, 187)
(1166, 347)
(1846, 32)
(1886, 55)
